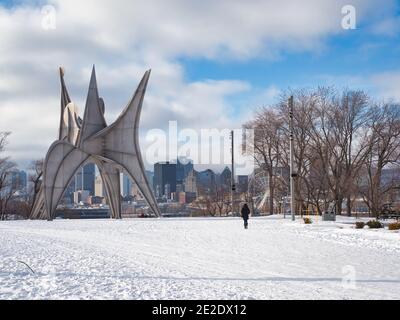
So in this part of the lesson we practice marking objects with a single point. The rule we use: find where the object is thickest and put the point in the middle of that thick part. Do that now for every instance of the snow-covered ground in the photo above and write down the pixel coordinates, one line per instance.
(197, 258)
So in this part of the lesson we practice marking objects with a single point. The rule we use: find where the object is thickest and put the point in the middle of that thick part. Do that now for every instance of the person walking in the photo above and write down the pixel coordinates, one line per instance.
(245, 214)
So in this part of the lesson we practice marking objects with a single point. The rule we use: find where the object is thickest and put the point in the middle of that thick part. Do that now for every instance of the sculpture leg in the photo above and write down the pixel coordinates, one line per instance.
(111, 181)
(62, 162)
(38, 205)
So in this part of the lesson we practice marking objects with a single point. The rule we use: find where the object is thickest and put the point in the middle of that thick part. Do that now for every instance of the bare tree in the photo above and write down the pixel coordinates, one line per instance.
(7, 190)
(303, 114)
(384, 147)
(337, 135)
(331, 134)
(35, 178)
(268, 146)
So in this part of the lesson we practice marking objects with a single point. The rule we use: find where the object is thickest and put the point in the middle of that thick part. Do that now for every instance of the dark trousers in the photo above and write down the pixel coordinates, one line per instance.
(245, 223)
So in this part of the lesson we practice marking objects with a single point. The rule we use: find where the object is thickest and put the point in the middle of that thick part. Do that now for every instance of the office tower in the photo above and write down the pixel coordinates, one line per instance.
(225, 179)
(19, 180)
(126, 186)
(89, 171)
(183, 167)
(69, 194)
(164, 174)
(190, 184)
(98, 187)
(85, 177)
(206, 181)
(79, 180)
(81, 196)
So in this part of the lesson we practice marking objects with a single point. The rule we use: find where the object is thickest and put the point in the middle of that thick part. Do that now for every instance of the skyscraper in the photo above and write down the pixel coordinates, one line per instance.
(85, 177)
(225, 179)
(89, 171)
(126, 186)
(164, 181)
(19, 180)
(190, 183)
(98, 187)
(183, 167)
(206, 181)
(78, 180)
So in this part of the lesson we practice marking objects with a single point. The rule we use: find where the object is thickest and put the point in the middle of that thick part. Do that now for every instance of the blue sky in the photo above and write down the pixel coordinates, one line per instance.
(354, 53)
(213, 62)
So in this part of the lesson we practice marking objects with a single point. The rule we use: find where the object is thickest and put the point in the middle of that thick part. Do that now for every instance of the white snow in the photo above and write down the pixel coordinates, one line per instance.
(197, 258)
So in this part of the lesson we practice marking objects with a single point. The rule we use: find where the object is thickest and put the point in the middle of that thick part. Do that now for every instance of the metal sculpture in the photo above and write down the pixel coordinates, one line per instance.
(114, 149)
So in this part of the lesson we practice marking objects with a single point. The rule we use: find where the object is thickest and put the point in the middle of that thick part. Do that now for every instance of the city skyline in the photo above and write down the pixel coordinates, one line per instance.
(196, 78)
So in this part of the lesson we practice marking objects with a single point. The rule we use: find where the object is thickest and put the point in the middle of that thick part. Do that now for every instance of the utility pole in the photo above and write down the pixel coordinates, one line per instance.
(233, 186)
(293, 174)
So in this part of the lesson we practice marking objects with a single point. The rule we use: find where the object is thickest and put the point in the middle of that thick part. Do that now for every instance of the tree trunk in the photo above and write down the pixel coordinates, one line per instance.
(271, 194)
(339, 202)
(349, 206)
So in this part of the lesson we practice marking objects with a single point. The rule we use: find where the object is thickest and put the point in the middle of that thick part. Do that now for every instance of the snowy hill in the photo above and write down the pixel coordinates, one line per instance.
(197, 258)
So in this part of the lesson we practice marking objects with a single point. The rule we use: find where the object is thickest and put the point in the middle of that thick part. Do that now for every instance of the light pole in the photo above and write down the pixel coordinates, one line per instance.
(233, 186)
(292, 171)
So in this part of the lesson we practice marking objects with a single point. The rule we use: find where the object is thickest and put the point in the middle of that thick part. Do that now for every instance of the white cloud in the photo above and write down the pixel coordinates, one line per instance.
(124, 38)
(387, 85)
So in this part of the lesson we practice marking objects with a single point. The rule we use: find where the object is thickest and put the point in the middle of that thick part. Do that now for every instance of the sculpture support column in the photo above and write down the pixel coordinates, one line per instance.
(111, 181)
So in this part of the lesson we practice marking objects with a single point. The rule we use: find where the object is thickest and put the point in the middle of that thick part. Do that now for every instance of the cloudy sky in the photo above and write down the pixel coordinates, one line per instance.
(213, 62)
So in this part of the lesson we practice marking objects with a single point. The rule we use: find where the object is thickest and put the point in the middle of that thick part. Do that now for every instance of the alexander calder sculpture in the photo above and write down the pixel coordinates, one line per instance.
(113, 148)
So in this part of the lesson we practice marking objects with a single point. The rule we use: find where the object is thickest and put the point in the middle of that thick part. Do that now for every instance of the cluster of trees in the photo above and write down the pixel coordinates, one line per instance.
(343, 141)
(15, 202)
(6, 167)
(217, 203)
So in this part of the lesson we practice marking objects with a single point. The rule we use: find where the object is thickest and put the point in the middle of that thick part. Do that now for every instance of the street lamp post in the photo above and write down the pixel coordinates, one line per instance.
(233, 186)
(292, 171)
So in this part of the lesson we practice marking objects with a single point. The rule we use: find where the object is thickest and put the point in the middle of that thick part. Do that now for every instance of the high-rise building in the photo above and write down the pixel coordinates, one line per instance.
(84, 178)
(167, 190)
(206, 181)
(180, 187)
(186, 197)
(183, 167)
(150, 177)
(126, 186)
(81, 196)
(79, 180)
(89, 172)
(190, 183)
(225, 179)
(98, 187)
(164, 181)
(69, 194)
(19, 180)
